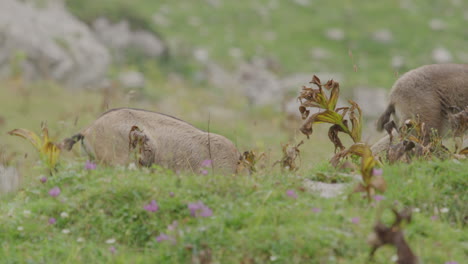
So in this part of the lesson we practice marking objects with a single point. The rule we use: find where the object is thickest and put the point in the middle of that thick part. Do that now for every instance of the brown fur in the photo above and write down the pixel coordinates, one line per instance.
(176, 144)
(428, 92)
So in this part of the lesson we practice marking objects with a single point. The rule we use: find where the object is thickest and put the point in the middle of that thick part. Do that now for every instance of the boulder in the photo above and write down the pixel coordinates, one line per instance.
(120, 38)
(47, 42)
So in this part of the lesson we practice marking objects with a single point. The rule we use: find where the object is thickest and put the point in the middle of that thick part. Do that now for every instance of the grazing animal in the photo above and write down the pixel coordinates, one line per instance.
(430, 93)
(163, 140)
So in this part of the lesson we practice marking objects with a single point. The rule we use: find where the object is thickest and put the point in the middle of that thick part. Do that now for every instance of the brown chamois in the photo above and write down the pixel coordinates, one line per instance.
(428, 93)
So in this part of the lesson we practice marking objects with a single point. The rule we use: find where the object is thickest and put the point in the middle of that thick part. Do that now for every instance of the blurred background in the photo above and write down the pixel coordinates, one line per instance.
(235, 65)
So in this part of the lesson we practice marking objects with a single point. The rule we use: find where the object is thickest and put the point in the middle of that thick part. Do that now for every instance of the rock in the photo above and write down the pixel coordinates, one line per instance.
(119, 37)
(259, 84)
(325, 190)
(441, 55)
(9, 179)
(132, 79)
(302, 2)
(220, 78)
(319, 53)
(372, 101)
(383, 36)
(437, 24)
(214, 3)
(148, 44)
(201, 55)
(49, 43)
(398, 61)
(336, 34)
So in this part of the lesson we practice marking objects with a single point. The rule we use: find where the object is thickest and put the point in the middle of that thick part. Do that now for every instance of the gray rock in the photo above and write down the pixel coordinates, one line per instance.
(441, 55)
(259, 85)
(201, 55)
(302, 2)
(9, 179)
(132, 79)
(371, 100)
(437, 24)
(219, 77)
(319, 53)
(336, 34)
(147, 43)
(49, 43)
(383, 36)
(325, 190)
(119, 37)
(398, 61)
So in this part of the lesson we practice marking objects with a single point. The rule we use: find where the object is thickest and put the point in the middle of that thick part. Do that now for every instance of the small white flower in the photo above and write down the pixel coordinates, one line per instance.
(394, 258)
(26, 213)
(64, 215)
(80, 240)
(416, 210)
(110, 241)
(20, 228)
(66, 231)
(273, 258)
(444, 210)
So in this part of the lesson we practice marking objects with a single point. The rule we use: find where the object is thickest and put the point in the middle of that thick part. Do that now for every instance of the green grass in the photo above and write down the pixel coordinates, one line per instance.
(253, 218)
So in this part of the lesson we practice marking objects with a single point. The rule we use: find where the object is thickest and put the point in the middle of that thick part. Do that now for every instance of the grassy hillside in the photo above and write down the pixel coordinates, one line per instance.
(100, 217)
(288, 31)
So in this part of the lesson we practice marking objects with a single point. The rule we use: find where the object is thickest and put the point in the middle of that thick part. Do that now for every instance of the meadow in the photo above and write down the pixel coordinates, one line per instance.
(98, 214)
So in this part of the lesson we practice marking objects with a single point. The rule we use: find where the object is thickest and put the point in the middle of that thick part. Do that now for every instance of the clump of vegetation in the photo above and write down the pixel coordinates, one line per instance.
(290, 154)
(343, 119)
(340, 118)
(248, 161)
(393, 235)
(49, 152)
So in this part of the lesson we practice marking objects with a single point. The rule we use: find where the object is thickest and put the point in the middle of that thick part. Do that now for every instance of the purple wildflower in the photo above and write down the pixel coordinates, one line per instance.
(355, 220)
(291, 194)
(204, 172)
(113, 250)
(173, 226)
(90, 165)
(206, 163)
(206, 212)
(377, 172)
(451, 262)
(43, 179)
(54, 192)
(52, 221)
(316, 210)
(163, 237)
(199, 209)
(151, 207)
(171, 194)
(379, 198)
(434, 218)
